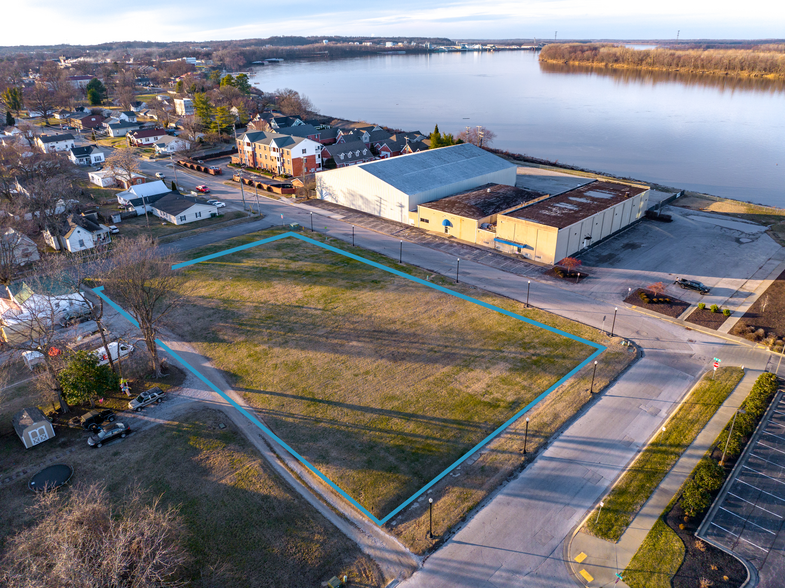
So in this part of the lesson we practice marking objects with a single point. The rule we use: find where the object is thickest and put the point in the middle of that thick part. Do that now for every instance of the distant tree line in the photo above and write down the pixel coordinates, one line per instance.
(765, 60)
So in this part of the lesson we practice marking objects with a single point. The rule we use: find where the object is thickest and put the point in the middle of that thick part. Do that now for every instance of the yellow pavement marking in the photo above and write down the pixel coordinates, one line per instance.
(580, 557)
(586, 576)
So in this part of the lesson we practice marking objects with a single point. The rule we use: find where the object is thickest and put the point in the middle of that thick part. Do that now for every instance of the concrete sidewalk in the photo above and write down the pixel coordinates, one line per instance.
(596, 562)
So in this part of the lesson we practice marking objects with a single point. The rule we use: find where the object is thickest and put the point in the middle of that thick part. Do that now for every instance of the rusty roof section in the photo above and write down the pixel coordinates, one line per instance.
(484, 201)
(573, 206)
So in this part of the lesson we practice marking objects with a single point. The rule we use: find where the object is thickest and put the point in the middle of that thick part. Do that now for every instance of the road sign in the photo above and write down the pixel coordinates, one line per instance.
(716, 364)
(717, 360)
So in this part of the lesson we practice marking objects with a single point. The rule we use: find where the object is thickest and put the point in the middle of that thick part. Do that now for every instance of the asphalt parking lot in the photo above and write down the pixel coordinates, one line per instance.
(749, 514)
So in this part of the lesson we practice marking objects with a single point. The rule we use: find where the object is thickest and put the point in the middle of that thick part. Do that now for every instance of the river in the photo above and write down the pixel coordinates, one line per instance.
(716, 135)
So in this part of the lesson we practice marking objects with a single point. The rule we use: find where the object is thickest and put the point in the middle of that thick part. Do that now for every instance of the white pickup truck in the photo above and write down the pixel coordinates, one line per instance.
(116, 349)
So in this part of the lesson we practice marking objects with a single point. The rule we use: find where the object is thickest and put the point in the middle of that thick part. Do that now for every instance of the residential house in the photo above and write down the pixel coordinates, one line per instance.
(414, 147)
(53, 143)
(128, 116)
(105, 178)
(168, 144)
(88, 121)
(146, 136)
(141, 196)
(184, 106)
(180, 210)
(22, 247)
(326, 136)
(138, 107)
(272, 122)
(63, 114)
(351, 153)
(89, 155)
(78, 233)
(280, 154)
(121, 129)
(79, 81)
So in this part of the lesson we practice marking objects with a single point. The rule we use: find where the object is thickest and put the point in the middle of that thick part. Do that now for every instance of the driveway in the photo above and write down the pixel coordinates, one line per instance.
(730, 256)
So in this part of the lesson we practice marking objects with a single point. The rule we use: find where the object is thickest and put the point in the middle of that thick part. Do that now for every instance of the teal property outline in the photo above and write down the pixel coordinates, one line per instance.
(599, 349)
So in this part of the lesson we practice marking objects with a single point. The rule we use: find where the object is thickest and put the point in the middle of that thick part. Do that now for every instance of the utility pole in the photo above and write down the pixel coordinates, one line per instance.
(242, 189)
(677, 35)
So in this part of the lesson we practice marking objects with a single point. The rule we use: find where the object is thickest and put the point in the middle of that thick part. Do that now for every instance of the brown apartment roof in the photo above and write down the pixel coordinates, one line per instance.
(575, 205)
(484, 201)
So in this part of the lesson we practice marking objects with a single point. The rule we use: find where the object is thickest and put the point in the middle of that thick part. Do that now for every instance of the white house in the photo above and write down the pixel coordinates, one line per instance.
(121, 129)
(89, 155)
(169, 144)
(180, 210)
(128, 116)
(52, 143)
(146, 136)
(22, 247)
(78, 233)
(184, 106)
(142, 197)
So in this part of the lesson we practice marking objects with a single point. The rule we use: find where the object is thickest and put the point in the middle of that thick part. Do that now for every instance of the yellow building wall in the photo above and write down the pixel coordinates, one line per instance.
(536, 242)
(461, 228)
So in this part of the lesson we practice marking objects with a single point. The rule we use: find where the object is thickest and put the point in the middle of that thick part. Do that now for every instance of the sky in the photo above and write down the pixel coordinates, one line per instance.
(54, 22)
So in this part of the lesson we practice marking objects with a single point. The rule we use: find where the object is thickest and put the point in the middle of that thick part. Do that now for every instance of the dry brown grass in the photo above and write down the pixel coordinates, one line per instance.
(244, 525)
(764, 321)
(379, 382)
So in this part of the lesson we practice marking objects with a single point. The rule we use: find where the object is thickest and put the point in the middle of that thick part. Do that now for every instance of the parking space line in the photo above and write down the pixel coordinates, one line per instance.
(770, 447)
(763, 549)
(767, 460)
(761, 490)
(773, 435)
(746, 520)
(755, 505)
(724, 529)
(764, 475)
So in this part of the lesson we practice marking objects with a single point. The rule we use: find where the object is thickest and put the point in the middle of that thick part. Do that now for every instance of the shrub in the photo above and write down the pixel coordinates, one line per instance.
(760, 334)
(642, 296)
(715, 308)
(695, 499)
(726, 311)
(701, 305)
(709, 475)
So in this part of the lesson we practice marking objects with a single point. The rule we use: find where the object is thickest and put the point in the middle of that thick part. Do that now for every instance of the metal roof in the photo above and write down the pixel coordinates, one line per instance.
(484, 201)
(435, 168)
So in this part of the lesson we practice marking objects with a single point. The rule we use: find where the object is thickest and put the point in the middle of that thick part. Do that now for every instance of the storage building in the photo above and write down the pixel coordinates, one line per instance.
(393, 188)
(557, 227)
(32, 426)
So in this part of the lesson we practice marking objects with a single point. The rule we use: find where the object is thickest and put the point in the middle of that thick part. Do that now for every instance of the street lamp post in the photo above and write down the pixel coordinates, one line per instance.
(256, 190)
(526, 435)
(312, 222)
(352, 235)
(613, 326)
(594, 373)
(598, 512)
(400, 253)
(730, 433)
(430, 510)
(457, 269)
(528, 289)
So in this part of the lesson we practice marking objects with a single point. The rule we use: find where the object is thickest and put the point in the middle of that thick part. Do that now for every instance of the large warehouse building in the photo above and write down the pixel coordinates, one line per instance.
(557, 227)
(393, 188)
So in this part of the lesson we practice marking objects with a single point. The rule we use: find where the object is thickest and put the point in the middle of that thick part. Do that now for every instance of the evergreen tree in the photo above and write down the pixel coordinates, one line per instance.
(179, 87)
(96, 85)
(203, 109)
(215, 77)
(13, 99)
(9, 120)
(436, 138)
(223, 119)
(242, 83)
(94, 97)
(83, 379)
(228, 80)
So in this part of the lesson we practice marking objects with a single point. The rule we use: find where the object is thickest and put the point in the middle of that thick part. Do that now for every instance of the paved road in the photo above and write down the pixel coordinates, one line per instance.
(517, 538)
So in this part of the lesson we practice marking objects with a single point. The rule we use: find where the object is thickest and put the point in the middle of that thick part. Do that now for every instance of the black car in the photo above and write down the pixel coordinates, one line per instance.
(107, 433)
(75, 318)
(691, 285)
(93, 419)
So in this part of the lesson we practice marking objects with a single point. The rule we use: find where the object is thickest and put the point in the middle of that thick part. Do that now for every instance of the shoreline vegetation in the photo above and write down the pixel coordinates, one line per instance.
(762, 61)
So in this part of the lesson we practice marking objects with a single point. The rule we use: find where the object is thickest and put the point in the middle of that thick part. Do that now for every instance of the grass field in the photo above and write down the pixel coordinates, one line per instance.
(657, 559)
(245, 527)
(636, 485)
(379, 382)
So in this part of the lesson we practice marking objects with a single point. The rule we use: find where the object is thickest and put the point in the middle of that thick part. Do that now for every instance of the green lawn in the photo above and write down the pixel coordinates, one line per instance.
(638, 483)
(244, 526)
(657, 560)
(379, 382)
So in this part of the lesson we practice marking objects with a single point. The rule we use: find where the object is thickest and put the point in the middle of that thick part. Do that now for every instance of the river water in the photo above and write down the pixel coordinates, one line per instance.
(716, 135)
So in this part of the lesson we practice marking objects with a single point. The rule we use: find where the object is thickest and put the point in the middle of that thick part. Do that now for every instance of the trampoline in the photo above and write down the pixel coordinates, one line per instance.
(51, 477)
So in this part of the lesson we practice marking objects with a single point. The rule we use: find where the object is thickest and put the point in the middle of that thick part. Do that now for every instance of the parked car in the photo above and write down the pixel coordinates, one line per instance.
(203, 189)
(691, 285)
(219, 204)
(147, 397)
(160, 175)
(212, 201)
(75, 317)
(113, 229)
(93, 419)
(107, 433)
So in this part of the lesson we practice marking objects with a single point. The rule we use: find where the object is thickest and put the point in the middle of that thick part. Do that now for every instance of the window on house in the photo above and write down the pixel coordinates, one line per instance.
(181, 218)
(424, 220)
(198, 215)
(304, 150)
(446, 229)
(81, 242)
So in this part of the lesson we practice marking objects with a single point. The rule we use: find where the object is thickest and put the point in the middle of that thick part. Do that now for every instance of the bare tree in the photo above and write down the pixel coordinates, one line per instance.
(80, 539)
(292, 103)
(479, 136)
(40, 98)
(141, 279)
(50, 200)
(124, 163)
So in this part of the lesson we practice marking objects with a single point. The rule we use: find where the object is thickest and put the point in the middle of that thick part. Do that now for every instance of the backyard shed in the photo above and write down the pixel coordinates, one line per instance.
(32, 426)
